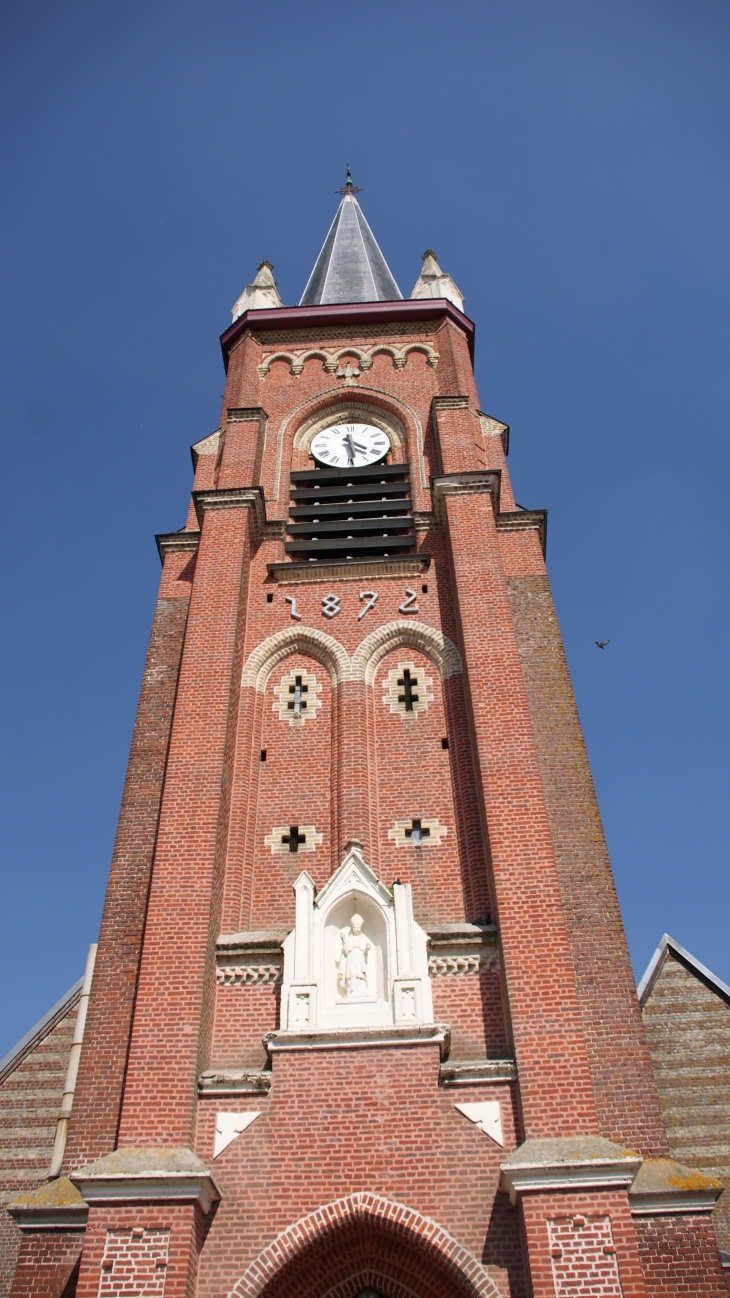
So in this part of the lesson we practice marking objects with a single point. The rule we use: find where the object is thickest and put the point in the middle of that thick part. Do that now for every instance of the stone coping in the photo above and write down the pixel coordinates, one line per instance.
(218, 1081)
(143, 1174)
(568, 1163)
(270, 940)
(455, 934)
(664, 1186)
(420, 1034)
(470, 1072)
(57, 1205)
(176, 543)
(257, 941)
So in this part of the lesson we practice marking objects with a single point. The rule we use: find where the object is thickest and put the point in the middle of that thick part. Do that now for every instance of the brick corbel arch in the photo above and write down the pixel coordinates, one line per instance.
(417, 635)
(455, 1262)
(305, 640)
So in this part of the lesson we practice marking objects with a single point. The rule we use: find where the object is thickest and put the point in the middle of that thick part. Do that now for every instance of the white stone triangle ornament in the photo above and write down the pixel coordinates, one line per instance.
(487, 1116)
(230, 1125)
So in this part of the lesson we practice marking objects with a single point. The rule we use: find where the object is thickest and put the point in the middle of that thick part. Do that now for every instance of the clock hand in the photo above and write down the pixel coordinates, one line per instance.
(347, 439)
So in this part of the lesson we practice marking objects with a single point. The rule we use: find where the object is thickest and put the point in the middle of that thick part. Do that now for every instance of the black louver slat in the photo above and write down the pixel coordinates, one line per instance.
(350, 513)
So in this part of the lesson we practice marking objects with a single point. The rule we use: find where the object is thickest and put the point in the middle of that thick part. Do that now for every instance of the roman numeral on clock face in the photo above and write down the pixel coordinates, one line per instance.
(355, 445)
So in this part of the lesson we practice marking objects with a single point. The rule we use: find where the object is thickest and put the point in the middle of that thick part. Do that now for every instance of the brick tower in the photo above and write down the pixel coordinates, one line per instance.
(362, 1016)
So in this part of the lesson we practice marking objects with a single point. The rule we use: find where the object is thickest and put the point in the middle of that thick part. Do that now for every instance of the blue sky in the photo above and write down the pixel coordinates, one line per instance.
(569, 164)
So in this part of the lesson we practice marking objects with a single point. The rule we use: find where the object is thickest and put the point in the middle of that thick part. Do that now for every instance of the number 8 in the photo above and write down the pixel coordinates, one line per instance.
(330, 606)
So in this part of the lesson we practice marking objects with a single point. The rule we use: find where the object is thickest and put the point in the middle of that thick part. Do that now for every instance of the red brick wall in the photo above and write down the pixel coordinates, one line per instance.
(49, 1265)
(294, 788)
(679, 1256)
(30, 1097)
(95, 1118)
(472, 1005)
(623, 1082)
(687, 1026)
(140, 1251)
(341, 1121)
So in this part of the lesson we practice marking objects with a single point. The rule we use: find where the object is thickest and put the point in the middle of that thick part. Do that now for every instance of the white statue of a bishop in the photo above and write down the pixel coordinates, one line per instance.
(354, 965)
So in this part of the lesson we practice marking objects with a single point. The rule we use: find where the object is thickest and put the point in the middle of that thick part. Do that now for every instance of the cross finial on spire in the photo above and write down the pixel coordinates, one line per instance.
(348, 187)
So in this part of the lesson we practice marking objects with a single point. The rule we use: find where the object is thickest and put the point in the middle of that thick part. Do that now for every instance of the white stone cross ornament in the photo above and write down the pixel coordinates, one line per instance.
(487, 1116)
(230, 1125)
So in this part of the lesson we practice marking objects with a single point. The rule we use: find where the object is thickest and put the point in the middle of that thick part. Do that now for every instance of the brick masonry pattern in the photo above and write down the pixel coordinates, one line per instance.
(687, 1027)
(371, 1129)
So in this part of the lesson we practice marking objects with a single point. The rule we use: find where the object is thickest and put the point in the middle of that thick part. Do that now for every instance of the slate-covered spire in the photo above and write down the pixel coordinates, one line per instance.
(350, 267)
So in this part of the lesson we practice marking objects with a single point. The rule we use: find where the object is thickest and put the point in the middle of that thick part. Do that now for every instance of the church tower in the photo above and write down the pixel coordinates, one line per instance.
(362, 1017)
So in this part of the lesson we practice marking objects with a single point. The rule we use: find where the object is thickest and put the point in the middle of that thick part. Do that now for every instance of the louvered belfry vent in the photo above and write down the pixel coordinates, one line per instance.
(350, 513)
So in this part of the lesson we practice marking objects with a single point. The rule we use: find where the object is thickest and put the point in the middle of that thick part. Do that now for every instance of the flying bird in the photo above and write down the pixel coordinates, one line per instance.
(602, 643)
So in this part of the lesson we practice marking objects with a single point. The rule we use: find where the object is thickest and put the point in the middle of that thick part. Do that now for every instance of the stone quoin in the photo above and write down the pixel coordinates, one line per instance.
(362, 1018)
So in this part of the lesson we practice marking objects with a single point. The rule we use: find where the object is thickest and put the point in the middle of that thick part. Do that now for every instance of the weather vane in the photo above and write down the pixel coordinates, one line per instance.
(348, 187)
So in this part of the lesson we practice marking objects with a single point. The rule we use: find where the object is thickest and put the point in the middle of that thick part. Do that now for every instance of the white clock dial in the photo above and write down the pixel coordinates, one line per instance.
(345, 446)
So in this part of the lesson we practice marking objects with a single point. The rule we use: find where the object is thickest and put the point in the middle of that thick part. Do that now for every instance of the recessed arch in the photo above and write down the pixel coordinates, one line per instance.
(416, 635)
(449, 1269)
(265, 366)
(365, 412)
(330, 400)
(306, 640)
(432, 356)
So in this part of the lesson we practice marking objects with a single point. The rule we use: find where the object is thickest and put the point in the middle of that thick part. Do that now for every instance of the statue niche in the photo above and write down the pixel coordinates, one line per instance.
(356, 957)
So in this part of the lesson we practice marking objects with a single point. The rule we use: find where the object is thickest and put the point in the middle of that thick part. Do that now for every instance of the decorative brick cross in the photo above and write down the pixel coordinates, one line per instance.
(294, 838)
(298, 703)
(417, 833)
(408, 697)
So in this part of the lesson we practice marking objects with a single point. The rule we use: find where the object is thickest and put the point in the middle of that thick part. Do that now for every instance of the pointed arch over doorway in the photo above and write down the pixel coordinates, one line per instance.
(360, 1242)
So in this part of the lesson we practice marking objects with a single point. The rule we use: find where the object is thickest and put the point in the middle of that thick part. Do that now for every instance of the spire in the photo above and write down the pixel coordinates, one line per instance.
(262, 295)
(350, 267)
(432, 282)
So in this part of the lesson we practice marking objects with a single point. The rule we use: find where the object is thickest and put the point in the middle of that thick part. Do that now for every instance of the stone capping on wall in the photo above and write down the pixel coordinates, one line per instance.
(468, 483)
(525, 520)
(574, 1163)
(297, 574)
(467, 1072)
(248, 959)
(216, 1081)
(233, 498)
(141, 1174)
(459, 949)
(246, 414)
(177, 543)
(490, 427)
(57, 1205)
(494, 428)
(489, 481)
(420, 1034)
(366, 1207)
(662, 1186)
(669, 946)
(208, 446)
(267, 940)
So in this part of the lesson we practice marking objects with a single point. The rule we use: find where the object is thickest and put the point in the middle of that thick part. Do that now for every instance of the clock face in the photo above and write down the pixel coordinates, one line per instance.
(345, 446)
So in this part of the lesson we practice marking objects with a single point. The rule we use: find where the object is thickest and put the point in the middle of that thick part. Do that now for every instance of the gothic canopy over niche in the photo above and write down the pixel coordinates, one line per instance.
(356, 957)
